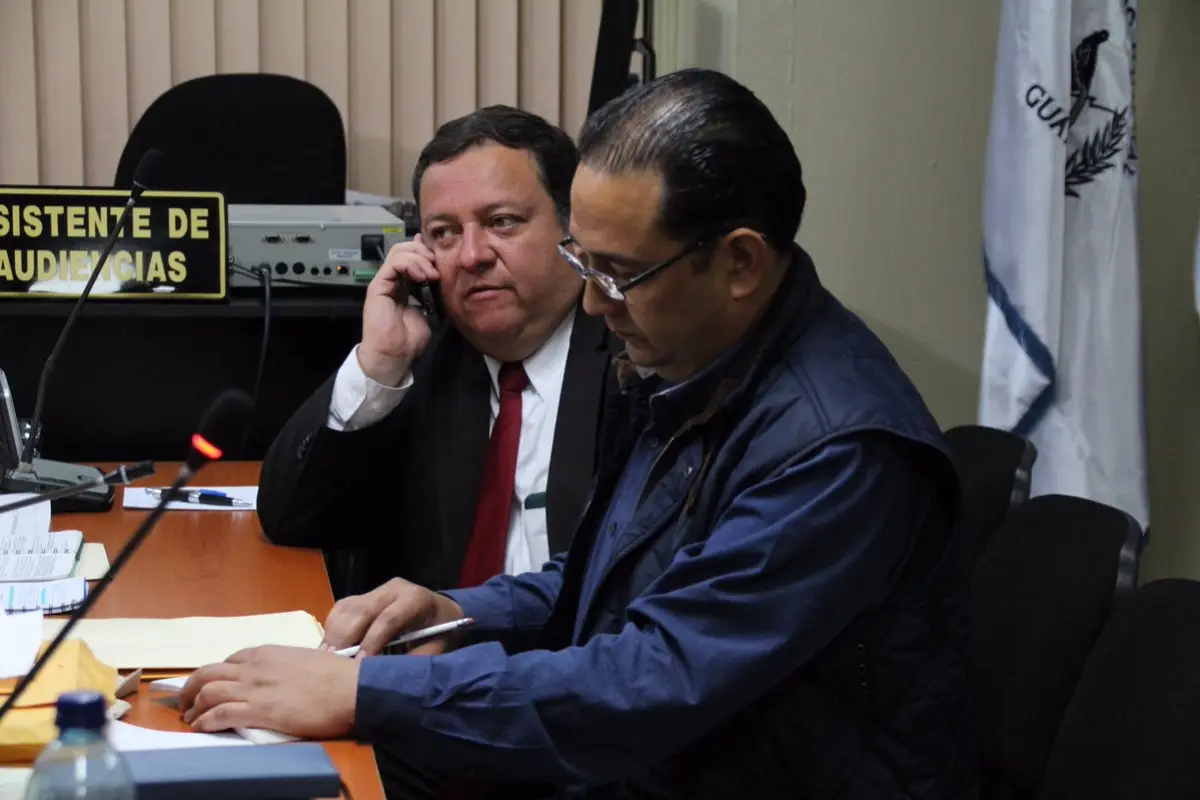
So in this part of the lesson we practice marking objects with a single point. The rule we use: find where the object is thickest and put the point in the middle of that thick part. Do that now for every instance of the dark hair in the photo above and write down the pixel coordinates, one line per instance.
(722, 156)
(550, 147)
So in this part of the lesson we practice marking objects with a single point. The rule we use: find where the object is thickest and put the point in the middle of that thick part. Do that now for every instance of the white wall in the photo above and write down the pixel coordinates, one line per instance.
(888, 105)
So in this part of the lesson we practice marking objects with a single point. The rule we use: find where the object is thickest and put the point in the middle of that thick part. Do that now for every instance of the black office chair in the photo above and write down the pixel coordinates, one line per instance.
(1042, 592)
(256, 138)
(994, 467)
(1130, 731)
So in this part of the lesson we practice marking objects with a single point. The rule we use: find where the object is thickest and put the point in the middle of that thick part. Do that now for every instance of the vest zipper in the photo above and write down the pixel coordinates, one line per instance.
(650, 472)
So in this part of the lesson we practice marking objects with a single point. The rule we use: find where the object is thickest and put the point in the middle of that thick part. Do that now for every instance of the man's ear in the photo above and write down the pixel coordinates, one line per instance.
(749, 256)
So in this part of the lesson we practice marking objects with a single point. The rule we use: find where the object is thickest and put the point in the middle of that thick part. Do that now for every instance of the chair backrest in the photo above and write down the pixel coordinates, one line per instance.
(1130, 731)
(1041, 594)
(994, 467)
(258, 138)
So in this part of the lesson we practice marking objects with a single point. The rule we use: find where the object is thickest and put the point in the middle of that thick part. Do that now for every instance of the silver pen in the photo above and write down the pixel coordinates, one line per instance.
(423, 633)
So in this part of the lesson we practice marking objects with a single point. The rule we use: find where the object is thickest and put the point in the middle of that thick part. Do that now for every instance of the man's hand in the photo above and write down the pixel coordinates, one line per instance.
(394, 333)
(373, 619)
(294, 690)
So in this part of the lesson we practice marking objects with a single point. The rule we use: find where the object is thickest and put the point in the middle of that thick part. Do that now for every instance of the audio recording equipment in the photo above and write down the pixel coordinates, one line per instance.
(309, 246)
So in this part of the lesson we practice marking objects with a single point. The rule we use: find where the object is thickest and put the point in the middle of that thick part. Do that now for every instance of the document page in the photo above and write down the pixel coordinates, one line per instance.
(22, 637)
(39, 556)
(188, 642)
(141, 497)
(13, 781)
(125, 737)
(31, 520)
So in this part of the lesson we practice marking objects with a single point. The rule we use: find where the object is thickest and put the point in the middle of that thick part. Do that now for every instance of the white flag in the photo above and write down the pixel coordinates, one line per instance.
(1062, 360)
(1196, 273)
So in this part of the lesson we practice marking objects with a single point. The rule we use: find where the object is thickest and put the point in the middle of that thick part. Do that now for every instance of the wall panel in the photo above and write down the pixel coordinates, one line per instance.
(75, 75)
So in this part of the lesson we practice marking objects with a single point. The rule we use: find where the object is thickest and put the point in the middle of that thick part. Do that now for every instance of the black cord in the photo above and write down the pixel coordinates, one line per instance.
(346, 792)
(265, 278)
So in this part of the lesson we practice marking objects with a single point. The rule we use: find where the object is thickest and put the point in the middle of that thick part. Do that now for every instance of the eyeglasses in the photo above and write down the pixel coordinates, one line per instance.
(607, 283)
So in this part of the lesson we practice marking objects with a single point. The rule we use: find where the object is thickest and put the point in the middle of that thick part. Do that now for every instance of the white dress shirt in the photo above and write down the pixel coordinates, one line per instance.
(359, 402)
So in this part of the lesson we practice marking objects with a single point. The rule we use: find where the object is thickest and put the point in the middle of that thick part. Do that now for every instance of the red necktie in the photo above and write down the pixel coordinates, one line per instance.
(489, 538)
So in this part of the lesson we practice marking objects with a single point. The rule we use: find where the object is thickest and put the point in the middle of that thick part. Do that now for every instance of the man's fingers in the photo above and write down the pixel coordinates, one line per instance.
(222, 671)
(243, 655)
(421, 247)
(237, 714)
(392, 620)
(215, 694)
(348, 621)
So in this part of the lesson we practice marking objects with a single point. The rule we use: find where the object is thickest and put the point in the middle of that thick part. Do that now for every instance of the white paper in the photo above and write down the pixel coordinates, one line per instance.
(255, 735)
(188, 642)
(31, 520)
(125, 737)
(93, 562)
(262, 736)
(138, 497)
(22, 637)
(50, 597)
(39, 557)
(13, 781)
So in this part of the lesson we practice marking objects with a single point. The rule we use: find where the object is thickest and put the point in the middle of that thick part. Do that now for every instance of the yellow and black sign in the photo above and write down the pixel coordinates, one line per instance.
(172, 245)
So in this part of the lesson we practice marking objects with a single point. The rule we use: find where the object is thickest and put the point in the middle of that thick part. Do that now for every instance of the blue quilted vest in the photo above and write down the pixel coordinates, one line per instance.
(884, 710)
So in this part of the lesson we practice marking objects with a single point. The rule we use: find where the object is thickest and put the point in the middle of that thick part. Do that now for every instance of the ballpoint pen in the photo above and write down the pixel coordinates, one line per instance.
(423, 633)
(201, 497)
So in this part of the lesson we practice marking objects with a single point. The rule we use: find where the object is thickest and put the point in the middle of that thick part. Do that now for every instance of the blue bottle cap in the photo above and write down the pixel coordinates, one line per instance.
(80, 710)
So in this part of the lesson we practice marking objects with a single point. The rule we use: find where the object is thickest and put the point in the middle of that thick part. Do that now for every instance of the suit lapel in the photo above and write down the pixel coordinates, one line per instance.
(461, 414)
(580, 407)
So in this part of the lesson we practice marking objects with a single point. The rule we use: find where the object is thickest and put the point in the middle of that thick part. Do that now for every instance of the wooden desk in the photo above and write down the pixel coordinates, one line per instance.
(213, 563)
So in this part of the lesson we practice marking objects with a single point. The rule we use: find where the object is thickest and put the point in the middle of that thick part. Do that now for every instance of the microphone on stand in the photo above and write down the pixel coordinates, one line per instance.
(124, 474)
(39, 475)
(220, 430)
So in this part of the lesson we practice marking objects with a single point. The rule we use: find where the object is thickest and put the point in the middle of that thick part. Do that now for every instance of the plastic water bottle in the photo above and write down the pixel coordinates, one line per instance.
(80, 764)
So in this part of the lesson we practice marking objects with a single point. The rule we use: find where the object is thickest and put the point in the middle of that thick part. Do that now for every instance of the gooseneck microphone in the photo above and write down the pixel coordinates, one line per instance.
(124, 474)
(41, 475)
(220, 430)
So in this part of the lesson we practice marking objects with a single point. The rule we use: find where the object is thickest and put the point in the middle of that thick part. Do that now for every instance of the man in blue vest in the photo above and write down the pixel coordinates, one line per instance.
(763, 597)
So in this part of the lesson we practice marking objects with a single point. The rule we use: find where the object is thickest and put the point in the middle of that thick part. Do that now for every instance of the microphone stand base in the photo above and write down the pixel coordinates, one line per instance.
(46, 476)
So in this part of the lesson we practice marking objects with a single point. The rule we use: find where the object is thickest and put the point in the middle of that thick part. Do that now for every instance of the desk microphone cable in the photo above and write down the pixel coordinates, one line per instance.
(264, 276)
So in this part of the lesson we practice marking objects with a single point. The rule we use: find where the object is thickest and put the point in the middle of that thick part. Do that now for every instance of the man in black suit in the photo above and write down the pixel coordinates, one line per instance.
(454, 454)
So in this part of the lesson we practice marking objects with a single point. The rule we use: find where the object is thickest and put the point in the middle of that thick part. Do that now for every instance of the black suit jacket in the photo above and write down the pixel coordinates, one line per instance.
(404, 490)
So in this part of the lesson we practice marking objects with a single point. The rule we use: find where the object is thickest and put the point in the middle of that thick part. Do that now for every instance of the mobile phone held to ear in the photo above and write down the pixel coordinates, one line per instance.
(429, 298)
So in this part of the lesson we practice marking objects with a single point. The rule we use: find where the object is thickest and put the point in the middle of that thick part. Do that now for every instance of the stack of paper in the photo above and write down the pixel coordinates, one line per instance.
(29, 552)
(189, 642)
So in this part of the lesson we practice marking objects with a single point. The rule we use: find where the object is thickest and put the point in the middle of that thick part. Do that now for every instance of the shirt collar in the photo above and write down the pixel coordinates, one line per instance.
(545, 367)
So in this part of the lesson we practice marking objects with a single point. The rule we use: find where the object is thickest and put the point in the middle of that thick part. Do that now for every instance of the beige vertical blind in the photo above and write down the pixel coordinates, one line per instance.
(75, 75)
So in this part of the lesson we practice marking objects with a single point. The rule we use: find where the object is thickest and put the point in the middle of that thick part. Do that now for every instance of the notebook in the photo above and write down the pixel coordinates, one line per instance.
(49, 597)
(39, 556)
